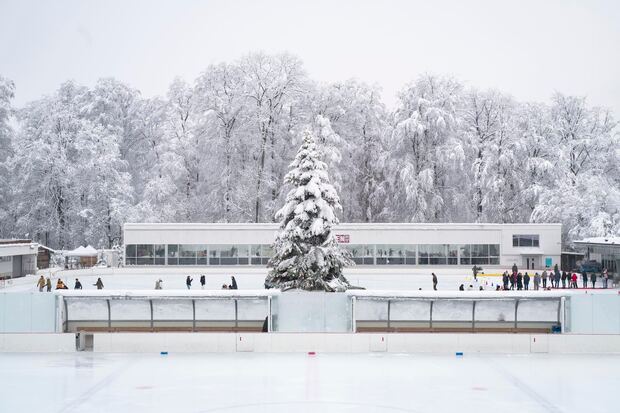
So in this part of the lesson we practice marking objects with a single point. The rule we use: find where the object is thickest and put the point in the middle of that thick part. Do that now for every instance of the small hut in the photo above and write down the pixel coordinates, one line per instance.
(81, 257)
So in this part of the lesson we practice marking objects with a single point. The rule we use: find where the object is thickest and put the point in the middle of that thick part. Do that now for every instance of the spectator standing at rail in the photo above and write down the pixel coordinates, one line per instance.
(593, 279)
(505, 280)
(556, 276)
(544, 279)
(78, 285)
(203, 281)
(526, 281)
(573, 280)
(188, 282)
(519, 281)
(536, 281)
(564, 275)
(434, 281)
(99, 284)
(584, 279)
(605, 276)
(233, 283)
(48, 284)
(513, 281)
(41, 284)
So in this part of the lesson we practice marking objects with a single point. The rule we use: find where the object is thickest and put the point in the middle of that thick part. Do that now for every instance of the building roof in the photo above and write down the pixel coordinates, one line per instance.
(14, 241)
(600, 241)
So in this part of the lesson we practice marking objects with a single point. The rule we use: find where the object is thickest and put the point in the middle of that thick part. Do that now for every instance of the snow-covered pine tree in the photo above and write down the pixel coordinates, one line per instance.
(306, 254)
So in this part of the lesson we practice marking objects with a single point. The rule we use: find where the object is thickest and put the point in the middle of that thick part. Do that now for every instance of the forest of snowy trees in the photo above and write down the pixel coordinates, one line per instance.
(77, 164)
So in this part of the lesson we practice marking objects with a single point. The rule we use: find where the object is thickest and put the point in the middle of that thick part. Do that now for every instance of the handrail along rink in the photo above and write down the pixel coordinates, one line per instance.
(163, 310)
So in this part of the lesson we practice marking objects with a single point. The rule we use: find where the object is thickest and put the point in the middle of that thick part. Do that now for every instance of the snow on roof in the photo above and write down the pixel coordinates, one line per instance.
(82, 252)
(600, 240)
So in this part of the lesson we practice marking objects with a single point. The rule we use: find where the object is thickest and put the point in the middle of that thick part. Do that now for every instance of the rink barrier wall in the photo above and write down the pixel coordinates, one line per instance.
(37, 343)
(354, 343)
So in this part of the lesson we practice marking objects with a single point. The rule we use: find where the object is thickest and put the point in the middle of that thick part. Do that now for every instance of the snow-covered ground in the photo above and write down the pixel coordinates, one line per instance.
(253, 278)
(183, 383)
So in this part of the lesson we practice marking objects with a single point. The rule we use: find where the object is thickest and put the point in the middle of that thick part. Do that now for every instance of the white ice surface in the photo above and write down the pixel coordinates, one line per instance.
(299, 383)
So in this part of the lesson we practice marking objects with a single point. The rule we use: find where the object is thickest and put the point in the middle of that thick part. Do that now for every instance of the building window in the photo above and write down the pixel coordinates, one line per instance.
(479, 254)
(362, 254)
(388, 254)
(173, 254)
(519, 240)
(260, 254)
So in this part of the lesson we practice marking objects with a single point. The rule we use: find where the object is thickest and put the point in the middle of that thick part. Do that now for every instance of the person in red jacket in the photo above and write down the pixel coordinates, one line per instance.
(573, 281)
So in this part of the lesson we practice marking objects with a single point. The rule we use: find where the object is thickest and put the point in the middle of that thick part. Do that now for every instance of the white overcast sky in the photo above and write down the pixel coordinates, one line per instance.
(528, 48)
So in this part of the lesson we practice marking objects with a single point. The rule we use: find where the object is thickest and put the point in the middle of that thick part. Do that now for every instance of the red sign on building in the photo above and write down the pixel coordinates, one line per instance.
(342, 238)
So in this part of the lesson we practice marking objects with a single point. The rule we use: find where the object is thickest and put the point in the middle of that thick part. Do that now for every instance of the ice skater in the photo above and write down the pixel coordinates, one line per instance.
(188, 282)
(41, 284)
(434, 281)
(99, 284)
(78, 285)
(526, 281)
(158, 284)
(203, 281)
(233, 283)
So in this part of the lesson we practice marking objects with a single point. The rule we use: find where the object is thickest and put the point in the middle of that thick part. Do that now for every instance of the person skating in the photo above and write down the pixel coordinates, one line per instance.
(461, 287)
(544, 279)
(41, 284)
(556, 276)
(78, 285)
(593, 279)
(513, 281)
(188, 282)
(60, 285)
(605, 276)
(474, 270)
(99, 284)
(233, 283)
(519, 281)
(536, 281)
(203, 281)
(158, 284)
(584, 279)
(526, 281)
(48, 284)
(505, 280)
(434, 281)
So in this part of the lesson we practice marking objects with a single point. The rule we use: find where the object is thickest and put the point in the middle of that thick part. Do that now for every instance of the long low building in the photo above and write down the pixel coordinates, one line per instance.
(530, 246)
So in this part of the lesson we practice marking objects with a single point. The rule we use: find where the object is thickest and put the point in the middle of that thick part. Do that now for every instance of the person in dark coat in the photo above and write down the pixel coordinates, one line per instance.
(434, 281)
(519, 281)
(526, 281)
(593, 279)
(514, 268)
(188, 282)
(584, 279)
(505, 280)
(203, 281)
(564, 275)
(99, 284)
(461, 287)
(78, 285)
(233, 285)
(474, 270)
(48, 284)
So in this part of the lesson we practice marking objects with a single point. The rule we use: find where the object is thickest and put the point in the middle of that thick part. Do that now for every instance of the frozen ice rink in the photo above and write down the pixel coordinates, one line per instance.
(298, 383)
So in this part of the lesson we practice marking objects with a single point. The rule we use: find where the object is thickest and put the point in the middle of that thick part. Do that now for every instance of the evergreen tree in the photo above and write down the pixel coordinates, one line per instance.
(306, 254)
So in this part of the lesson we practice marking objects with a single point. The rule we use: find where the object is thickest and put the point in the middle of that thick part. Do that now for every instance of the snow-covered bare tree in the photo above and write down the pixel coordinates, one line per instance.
(306, 254)
(7, 91)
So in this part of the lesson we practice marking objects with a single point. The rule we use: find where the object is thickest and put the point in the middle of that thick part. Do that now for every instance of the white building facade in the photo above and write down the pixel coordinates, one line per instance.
(530, 246)
(17, 258)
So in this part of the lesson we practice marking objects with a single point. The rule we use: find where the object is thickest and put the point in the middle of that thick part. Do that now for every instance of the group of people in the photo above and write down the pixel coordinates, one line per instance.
(46, 283)
(549, 280)
(203, 282)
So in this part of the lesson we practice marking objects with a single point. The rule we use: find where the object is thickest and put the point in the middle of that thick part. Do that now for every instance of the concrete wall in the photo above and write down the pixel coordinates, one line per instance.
(354, 343)
(37, 343)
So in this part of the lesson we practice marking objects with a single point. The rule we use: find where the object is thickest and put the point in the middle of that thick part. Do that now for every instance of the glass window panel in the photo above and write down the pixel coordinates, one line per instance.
(144, 250)
(369, 261)
(255, 251)
(160, 251)
(381, 260)
(228, 261)
(202, 251)
(160, 261)
(267, 251)
(438, 260)
(494, 250)
(187, 261)
(410, 261)
(173, 261)
(465, 251)
(255, 261)
(145, 261)
(465, 261)
(243, 261)
(525, 241)
(130, 250)
(535, 241)
(480, 260)
(452, 261)
(494, 260)
(214, 261)
(173, 250)
(130, 261)
(188, 250)
(515, 241)
(201, 261)
(480, 250)
(423, 260)
(453, 250)
(410, 250)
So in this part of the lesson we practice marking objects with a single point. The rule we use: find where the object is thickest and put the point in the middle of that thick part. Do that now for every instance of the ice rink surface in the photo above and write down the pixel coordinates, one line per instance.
(180, 383)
